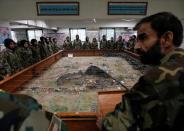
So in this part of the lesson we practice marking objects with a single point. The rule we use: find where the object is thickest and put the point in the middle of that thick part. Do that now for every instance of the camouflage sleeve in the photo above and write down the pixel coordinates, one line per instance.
(6, 69)
(21, 113)
(126, 113)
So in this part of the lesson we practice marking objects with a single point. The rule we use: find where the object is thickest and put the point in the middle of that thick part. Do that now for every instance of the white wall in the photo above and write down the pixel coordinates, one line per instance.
(3, 25)
(89, 9)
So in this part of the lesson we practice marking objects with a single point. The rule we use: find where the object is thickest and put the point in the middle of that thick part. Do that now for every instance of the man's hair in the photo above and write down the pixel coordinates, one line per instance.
(163, 22)
(7, 42)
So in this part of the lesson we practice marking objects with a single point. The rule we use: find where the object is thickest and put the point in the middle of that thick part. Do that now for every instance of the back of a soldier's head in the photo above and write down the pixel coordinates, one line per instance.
(163, 22)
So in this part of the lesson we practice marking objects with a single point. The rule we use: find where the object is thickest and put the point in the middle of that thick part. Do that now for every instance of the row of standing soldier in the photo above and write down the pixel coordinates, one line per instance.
(104, 44)
(16, 57)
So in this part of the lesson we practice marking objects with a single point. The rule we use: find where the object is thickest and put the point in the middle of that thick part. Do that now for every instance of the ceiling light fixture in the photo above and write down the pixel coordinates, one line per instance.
(128, 20)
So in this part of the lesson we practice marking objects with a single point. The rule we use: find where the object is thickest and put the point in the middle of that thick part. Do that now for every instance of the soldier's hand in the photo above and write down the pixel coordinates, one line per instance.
(99, 122)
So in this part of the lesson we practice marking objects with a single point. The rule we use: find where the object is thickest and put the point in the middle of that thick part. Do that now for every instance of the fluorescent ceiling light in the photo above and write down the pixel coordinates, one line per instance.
(128, 20)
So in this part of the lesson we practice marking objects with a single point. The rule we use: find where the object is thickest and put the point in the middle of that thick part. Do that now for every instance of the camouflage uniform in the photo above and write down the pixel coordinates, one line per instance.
(22, 113)
(110, 44)
(54, 46)
(25, 55)
(13, 60)
(50, 51)
(4, 67)
(94, 45)
(77, 44)
(119, 45)
(131, 44)
(43, 49)
(67, 45)
(103, 44)
(156, 102)
(35, 54)
(86, 45)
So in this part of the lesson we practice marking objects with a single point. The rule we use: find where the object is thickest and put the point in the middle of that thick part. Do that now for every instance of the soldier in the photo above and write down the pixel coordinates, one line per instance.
(131, 43)
(110, 43)
(21, 112)
(24, 53)
(35, 51)
(86, 44)
(49, 46)
(119, 43)
(67, 44)
(103, 43)
(94, 44)
(55, 47)
(156, 101)
(43, 48)
(9, 54)
(77, 43)
(5, 69)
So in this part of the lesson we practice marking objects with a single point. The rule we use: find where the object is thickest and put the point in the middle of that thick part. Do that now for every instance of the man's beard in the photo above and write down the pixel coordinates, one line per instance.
(152, 56)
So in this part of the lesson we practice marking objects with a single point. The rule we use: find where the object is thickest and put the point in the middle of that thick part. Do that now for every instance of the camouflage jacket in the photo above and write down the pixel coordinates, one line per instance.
(20, 112)
(86, 45)
(77, 44)
(103, 44)
(35, 54)
(156, 102)
(55, 48)
(43, 50)
(4, 67)
(25, 55)
(67, 45)
(94, 45)
(13, 60)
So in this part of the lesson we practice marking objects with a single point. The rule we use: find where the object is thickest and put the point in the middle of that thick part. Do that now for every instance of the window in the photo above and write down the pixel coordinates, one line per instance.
(34, 34)
(109, 32)
(80, 32)
(14, 37)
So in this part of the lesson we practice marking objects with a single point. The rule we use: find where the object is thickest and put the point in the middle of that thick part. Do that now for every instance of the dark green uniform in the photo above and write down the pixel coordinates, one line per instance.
(156, 102)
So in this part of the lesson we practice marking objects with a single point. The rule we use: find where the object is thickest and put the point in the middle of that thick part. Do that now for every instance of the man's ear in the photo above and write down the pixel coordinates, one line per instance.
(167, 39)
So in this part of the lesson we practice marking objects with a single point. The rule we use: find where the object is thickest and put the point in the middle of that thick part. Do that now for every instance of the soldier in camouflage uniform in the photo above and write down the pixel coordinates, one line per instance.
(131, 43)
(55, 46)
(103, 43)
(94, 44)
(86, 44)
(43, 48)
(67, 45)
(156, 101)
(119, 43)
(35, 51)
(9, 54)
(20, 112)
(24, 53)
(5, 69)
(110, 43)
(77, 43)
(49, 46)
